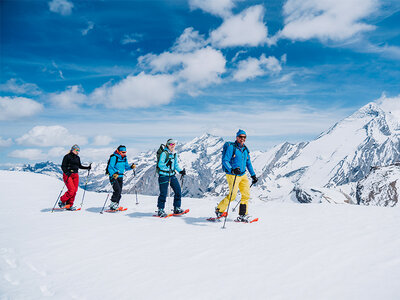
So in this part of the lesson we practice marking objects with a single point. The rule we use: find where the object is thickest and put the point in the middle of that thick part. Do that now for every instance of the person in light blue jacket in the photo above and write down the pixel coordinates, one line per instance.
(116, 168)
(167, 167)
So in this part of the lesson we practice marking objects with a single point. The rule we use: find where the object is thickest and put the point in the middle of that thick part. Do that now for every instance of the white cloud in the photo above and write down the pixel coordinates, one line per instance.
(216, 7)
(201, 67)
(130, 38)
(5, 142)
(18, 107)
(142, 90)
(244, 29)
(30, 154)
(62, 7)
(58, 70)
(45, 136)
(96, 154)
(39, 154)
(253, 67)
(102, 140)
(89, 27)
(390, 104)
(17, 86)
(333, 20)
(189, 40)
(70, 98)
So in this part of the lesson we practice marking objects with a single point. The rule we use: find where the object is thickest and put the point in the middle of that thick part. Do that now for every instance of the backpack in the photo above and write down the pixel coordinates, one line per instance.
(108, 163)
(225, 147)
(160, 150)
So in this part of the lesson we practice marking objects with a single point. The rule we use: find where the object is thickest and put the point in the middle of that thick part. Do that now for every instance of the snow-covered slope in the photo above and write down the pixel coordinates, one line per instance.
(336, 160)
(294, 251)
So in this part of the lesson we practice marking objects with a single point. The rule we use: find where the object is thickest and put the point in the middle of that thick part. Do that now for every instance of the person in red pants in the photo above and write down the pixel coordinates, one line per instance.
(70, 165)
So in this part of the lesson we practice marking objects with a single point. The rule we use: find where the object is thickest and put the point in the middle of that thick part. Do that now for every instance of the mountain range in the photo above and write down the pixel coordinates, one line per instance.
(332, 163)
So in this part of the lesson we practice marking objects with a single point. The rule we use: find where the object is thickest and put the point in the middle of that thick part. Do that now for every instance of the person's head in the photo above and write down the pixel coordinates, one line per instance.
(241, 136)
(121, 150)
(75, 149)
(171, 145)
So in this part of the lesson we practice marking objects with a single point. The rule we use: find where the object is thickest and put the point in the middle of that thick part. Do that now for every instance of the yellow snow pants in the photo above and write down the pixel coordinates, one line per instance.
(242, 183)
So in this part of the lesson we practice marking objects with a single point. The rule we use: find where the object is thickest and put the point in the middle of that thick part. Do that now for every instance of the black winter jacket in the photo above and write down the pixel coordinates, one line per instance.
(71, 163)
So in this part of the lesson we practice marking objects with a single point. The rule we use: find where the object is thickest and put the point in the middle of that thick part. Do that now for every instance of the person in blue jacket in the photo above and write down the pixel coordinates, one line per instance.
(235, 161)
(116, 168)
(167, 166)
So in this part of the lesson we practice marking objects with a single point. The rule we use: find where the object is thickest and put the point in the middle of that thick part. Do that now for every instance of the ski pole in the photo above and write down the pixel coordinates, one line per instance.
(182, 182)
(84, 190)
(230, 198)
(108, 195)
(134, 175)
(58, 197)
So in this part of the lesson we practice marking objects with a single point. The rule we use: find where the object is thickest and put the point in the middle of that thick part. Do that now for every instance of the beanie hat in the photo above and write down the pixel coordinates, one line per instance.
(121, 148)
(241, 131)
(171, 141)
(75, 147)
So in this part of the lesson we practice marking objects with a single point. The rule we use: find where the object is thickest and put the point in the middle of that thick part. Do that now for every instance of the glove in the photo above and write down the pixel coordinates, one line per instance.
(90, 167)
(236, 171)
(115, 175)
(255, 179)
(133, 166)
(183, 172)
(169, 164)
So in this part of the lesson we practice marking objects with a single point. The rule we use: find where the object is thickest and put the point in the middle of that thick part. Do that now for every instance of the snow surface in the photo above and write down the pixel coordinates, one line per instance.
(295, 251)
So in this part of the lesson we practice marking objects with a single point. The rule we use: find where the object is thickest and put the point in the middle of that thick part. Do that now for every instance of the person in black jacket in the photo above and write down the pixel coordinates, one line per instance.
(70, 165)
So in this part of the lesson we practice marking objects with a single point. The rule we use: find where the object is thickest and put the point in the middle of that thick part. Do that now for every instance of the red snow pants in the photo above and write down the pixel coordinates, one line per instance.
(71, 183)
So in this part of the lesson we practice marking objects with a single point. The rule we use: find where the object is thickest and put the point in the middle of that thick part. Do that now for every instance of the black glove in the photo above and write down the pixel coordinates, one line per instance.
(169, 164)
(255, 179)
(90, 167)
(183, 172)
(236, 171)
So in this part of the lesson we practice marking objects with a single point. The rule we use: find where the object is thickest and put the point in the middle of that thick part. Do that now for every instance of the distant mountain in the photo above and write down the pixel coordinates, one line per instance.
(381, 187)
(332, 164)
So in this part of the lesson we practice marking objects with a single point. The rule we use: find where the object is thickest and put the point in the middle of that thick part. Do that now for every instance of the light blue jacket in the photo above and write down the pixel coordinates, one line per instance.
(162, 163)
(118, 164)
(240, 160)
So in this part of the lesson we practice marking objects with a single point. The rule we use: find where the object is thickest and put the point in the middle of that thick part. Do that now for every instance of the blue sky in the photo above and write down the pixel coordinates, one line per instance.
(104, 73)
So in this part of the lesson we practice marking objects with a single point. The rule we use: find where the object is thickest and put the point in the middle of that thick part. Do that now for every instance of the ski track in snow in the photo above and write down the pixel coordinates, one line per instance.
(295, 251)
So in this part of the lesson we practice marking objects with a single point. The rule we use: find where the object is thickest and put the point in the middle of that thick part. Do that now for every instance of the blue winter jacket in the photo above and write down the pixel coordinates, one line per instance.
(240, 160)
(162, 164)
(118, 164)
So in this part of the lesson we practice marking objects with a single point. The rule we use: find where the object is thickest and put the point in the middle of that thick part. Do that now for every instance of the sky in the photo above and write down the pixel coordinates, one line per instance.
(105, 73)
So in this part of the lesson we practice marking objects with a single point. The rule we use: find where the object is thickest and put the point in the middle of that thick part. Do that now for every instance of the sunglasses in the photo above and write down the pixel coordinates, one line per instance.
(171, 144)
(242, 137)
(123, 152)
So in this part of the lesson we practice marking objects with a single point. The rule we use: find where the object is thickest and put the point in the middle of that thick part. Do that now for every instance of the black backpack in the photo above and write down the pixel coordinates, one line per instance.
(108, 162)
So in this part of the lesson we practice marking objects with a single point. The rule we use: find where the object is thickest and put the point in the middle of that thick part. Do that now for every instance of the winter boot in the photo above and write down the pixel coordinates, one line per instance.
(242, 209)
(61, 204)
(161, 213)
(218, 213)
(114, 205)
(178, 210)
